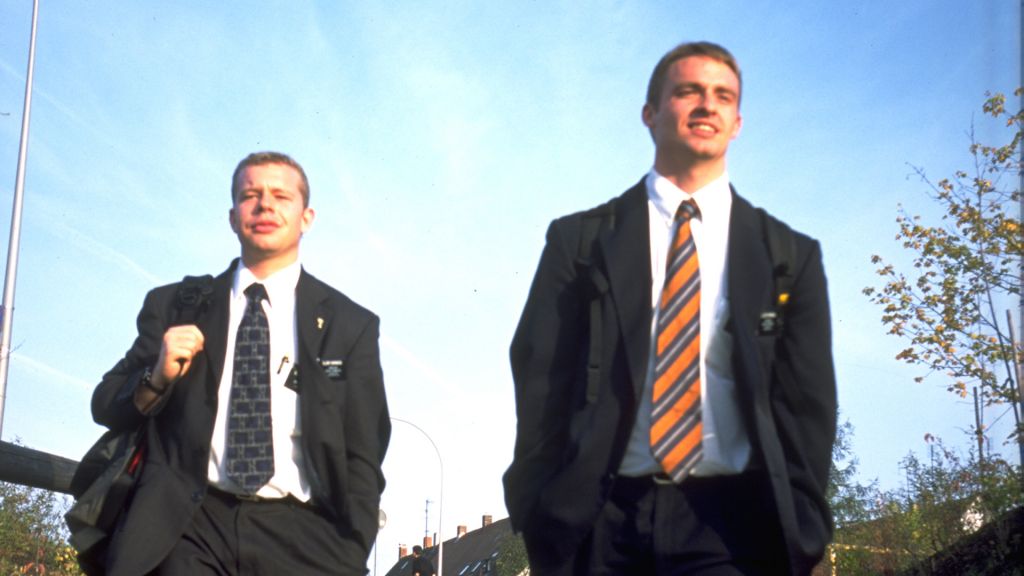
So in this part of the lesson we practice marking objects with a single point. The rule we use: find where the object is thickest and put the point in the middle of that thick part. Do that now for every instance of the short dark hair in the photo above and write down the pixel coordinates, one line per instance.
(264, 158)
(417, 549)
(685, 50)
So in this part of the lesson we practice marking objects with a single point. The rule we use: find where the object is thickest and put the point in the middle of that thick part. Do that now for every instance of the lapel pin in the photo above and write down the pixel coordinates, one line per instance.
(319, 323)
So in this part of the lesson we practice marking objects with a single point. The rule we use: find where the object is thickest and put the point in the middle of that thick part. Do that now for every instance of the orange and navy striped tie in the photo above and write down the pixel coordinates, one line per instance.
(676, 414)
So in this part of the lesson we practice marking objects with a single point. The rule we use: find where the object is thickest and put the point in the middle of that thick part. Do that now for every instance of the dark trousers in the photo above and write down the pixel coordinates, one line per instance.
(232, 537)
(719, 526)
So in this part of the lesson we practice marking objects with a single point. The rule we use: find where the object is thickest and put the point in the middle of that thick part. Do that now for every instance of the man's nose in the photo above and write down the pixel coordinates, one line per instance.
(707, 103)
(266, 200)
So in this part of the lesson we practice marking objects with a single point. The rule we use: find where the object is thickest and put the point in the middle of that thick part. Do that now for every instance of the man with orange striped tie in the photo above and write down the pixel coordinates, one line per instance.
(676, 408)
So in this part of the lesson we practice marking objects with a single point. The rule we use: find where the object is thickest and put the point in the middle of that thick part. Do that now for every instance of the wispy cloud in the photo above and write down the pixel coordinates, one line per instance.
(76, 238)
(444, 386)
(49, 372)
(102, 138)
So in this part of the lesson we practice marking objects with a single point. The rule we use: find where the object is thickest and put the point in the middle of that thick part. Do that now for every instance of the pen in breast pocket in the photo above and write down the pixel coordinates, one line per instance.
(284, 360)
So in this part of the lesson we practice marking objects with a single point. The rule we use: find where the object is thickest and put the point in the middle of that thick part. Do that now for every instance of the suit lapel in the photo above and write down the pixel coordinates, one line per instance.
(627, 254)
(749, 265)
(313, 316)
(749, 292)
(214, 326)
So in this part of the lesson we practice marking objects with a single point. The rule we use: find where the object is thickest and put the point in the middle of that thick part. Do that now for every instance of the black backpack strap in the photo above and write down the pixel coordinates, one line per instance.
(594, 221)
(781, 242)
(192, 299)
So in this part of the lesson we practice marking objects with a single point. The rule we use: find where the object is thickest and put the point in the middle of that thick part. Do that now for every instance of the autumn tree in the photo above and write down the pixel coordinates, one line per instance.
(946, 500)
(33, 539)
(951, 510)
(511, 560)
(953, 306)
(853, 506)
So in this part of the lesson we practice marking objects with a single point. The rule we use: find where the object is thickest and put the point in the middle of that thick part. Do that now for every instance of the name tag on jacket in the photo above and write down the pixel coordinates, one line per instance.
(335, 369)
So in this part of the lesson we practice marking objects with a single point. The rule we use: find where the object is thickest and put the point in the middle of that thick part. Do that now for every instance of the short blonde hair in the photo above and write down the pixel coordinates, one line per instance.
(685, 50)
(264, 158)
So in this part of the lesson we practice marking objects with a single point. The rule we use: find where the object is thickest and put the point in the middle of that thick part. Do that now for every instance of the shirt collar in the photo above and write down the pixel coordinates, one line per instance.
(278, 285)
(714, 199)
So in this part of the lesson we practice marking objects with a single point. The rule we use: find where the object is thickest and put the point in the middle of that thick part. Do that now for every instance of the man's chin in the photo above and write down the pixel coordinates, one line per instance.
(259, 251)
(706, 153)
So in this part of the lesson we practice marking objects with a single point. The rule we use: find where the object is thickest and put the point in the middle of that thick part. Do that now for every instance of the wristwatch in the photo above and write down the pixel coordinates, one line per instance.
(147, 381)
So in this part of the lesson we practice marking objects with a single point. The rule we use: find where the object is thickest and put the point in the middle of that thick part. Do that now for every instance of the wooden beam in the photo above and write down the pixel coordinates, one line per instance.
(29, 467)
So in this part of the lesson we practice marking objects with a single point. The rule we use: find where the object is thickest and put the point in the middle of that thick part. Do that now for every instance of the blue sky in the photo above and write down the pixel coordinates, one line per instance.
(440, 138)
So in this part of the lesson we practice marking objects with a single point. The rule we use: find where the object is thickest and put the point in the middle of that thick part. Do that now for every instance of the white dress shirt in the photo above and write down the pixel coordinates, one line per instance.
(280, 310)
(726, 442)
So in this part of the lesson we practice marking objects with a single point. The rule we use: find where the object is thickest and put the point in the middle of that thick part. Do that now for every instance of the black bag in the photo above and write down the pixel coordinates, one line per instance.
(102, 486)
(105, 479)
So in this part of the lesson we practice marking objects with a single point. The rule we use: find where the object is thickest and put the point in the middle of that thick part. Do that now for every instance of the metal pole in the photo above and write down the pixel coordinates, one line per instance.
(1020, 169)
(1019, 410)
(440, 497)
(426, 519)
(382, 521)
(1018, 374)
(7, 312)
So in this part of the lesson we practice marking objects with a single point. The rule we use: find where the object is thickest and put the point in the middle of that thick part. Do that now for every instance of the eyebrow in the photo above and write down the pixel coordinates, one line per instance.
(255, 188)
(714, 88)
(726, 90)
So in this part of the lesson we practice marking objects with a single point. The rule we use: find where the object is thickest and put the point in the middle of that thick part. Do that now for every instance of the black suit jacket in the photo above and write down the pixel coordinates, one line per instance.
(568, 447)
(345, 424)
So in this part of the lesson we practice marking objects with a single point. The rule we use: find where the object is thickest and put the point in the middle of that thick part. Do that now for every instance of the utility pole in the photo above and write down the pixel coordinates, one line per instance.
(1018, 361)
(440, 498)
(1020, 168)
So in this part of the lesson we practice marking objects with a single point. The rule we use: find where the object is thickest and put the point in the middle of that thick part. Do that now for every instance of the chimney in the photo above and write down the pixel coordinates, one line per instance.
(403, 551)
(460, 531)
(486, 520)
(428, 542)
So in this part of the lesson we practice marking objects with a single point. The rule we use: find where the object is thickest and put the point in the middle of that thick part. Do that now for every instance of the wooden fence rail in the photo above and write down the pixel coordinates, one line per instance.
(29, 467)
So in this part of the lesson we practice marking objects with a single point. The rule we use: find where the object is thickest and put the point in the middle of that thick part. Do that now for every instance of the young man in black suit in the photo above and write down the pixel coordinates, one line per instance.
(666, 423)
(266, 419)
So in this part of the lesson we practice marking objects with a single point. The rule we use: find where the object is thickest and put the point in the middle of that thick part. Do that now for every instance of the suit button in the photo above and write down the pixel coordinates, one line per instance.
(197, 496)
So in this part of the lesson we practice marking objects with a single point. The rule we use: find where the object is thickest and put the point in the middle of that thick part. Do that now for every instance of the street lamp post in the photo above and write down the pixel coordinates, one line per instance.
(440, 498)
(7, 310)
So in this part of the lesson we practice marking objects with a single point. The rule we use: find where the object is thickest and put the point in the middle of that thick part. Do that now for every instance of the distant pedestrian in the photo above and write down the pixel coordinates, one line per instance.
(420, 565)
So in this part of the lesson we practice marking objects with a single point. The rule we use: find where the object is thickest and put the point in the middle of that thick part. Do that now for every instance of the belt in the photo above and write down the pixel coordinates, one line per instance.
(662, 479)
(633, 483)
(253, 498)
(658, 479)
(750, 479)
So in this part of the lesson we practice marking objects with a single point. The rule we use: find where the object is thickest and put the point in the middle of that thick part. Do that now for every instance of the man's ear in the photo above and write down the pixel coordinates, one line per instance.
(736, 129)
(308, 215)
(647, 115)
(232, 220)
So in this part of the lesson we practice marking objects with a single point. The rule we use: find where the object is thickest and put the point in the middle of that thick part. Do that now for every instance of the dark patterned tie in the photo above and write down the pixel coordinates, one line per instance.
(676, 415)
(250, 444)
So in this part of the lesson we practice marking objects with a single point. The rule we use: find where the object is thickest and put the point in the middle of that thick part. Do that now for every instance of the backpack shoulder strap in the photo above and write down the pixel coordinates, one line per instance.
(594, 220)
(192, 299)
(593, 223)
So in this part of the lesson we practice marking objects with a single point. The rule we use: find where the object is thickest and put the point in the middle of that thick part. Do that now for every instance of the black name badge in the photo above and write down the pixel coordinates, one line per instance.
(770, 324)
(335, 369)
